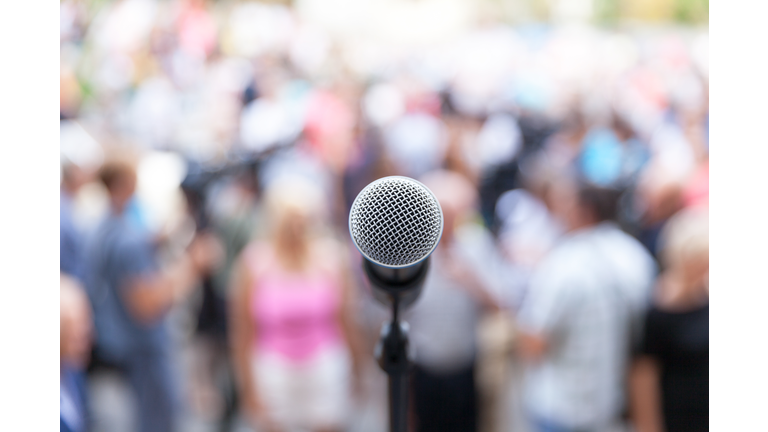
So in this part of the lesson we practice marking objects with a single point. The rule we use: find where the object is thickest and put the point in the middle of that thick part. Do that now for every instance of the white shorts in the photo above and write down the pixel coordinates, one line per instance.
(308, 395)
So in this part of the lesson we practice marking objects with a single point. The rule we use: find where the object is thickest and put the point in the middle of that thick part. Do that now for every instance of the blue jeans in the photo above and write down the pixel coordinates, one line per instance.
(539, 424)
(151, 376)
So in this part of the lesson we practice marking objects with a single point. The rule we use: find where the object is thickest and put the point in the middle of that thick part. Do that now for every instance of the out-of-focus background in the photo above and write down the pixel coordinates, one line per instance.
(211, 150)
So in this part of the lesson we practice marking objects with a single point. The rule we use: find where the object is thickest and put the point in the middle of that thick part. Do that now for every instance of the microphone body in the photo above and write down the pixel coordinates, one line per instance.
(396, 223)
(401, 285)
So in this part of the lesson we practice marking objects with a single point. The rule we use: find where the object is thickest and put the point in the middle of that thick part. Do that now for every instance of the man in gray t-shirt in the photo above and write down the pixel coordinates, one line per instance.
(443, 322)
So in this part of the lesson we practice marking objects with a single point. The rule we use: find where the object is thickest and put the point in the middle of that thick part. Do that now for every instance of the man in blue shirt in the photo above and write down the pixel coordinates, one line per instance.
(131, 295)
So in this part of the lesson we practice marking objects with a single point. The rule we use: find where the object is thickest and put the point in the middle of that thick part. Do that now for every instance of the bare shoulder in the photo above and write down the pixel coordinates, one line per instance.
(256, 257)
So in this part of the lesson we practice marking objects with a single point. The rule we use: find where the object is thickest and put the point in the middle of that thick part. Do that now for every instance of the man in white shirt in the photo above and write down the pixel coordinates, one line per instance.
(582, 311)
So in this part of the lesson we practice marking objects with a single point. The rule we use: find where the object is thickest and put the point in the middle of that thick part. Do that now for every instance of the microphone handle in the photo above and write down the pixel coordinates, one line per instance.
(397, 275)
(402, 284)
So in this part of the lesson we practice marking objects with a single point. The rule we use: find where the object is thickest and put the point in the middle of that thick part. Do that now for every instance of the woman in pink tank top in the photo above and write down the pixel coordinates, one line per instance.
(292, 326)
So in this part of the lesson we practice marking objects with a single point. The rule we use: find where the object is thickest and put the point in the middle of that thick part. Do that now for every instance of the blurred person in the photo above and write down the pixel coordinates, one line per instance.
(660, 194)
(671, 150)
(583, 307)
(417, 143)
(498, 145)
(131, 295)
(635, 153)
(563, 146)
(331, 129)
(535, 129)
(197, 32)
(235, 214)
(293, 334)
(70, 93)
(462, 132)
(613, 156)
(689, 109)
(368, 163)
(669, 380)
(75, 332)
(70, 238)
(444, 321)
(330, 124)
(696, 190)
(270, 120)
(528, 231)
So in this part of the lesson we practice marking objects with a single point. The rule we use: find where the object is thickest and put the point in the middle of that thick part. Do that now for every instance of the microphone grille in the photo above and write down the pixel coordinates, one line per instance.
(396, 221)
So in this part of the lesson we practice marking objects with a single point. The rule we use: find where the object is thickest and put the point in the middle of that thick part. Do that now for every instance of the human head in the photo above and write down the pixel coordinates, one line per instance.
(72, 177)
(684, 244)
(294, 205)
(621, 126)
(119, 177)
(75, 324)
(580, 204)
(457, 198)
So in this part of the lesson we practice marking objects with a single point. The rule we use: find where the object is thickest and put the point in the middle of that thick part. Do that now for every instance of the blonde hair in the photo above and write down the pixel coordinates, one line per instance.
(294, 194)
(685, 237)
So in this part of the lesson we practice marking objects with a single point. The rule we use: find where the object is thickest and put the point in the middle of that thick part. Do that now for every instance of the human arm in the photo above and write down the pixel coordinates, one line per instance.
(242, 333)
(467, 277)
(645, 395)
(349, 325)
(152, 292)
(542, 314)
(531, 346)
(149, 296)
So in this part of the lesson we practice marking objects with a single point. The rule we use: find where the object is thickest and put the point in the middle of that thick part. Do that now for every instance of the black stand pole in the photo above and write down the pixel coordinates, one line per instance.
(398, 288)
(392, 354)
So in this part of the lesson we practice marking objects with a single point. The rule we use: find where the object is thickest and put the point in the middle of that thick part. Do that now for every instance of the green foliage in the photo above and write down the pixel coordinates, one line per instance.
(691, 11)
(607, 11)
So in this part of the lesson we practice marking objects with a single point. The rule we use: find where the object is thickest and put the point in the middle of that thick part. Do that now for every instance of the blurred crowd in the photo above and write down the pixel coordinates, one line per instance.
(211, 151)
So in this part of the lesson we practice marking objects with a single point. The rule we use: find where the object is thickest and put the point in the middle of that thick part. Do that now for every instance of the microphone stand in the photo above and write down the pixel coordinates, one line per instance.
(400, 288)
(392, 355)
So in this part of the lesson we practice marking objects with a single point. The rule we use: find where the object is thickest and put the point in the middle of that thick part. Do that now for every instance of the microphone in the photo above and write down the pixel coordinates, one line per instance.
(396, 223)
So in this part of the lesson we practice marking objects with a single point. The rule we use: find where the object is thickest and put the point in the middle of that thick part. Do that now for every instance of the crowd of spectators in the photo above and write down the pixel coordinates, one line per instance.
(211, 152)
